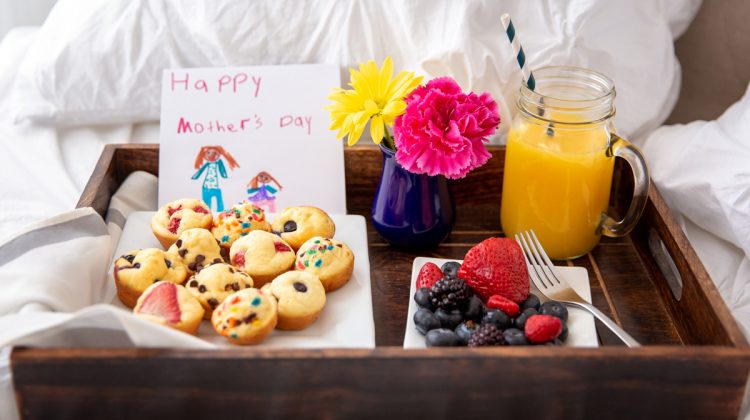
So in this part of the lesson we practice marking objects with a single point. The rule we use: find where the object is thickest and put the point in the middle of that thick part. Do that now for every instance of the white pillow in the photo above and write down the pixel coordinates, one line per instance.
(100, 62)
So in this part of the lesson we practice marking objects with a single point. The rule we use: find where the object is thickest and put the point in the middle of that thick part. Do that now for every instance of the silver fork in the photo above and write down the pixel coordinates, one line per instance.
(542, 273)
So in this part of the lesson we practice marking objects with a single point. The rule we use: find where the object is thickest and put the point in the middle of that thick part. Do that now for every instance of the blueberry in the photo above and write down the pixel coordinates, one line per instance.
(515, 337)
(554, 308)
(422, 297)
(523, 316)
(531, 302)
(449, 319)
(564, 334)
(464, 330)
(474, 309)
(450, 269)
(496, 317)
(441, 337)
(425, 321)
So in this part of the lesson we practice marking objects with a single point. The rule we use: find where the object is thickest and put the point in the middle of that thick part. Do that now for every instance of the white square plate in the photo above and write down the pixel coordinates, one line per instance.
(346, 320)
(581, 327)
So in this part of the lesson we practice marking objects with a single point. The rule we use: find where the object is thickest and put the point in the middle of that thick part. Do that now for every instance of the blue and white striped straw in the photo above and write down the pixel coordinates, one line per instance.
(528, 76)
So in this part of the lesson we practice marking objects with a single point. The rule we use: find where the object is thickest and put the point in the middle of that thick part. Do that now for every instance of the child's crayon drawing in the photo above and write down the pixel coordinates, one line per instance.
(210, 159)
(261, 193)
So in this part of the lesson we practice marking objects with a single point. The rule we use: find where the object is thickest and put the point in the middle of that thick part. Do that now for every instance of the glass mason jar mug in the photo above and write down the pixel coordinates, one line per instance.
(559, 160)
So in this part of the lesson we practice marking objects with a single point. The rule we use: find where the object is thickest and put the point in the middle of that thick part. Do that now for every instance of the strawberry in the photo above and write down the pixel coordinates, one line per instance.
(174, 224)
(162, 302)
(239, 259)
(280, 247)
(542, 328)
(504, 304)
(429, 274)
(200, 210)
(496, 266)
(171, 211)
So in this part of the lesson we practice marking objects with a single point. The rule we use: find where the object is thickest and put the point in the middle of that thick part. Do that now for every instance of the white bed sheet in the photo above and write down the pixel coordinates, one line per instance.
(44, 169)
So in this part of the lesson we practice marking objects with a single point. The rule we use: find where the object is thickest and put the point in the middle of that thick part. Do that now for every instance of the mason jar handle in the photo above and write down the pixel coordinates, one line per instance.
(620, 147)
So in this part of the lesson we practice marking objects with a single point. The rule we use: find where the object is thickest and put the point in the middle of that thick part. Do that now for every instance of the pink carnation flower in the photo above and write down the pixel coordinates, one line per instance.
(443, 130)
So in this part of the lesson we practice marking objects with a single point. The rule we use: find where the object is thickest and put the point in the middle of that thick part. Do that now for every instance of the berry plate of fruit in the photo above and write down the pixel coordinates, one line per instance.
(487, 300)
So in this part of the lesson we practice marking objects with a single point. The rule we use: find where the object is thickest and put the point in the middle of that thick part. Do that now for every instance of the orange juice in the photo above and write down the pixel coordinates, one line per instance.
(557, 181)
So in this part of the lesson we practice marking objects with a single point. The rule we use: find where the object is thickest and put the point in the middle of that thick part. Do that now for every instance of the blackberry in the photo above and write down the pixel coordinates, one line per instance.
(486, 335)
(449, 293)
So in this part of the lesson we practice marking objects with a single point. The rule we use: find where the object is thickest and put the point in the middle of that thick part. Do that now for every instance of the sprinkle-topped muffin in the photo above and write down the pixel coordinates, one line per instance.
(297, 224)
(238, 221)
(246, 317)
(136, 270)
(263, 255)
(178, 216)
(196, 248)
(331, 260)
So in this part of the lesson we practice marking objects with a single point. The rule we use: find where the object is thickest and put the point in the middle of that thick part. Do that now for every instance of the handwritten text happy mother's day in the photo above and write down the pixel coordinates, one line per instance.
(250, 133)
(238, 83)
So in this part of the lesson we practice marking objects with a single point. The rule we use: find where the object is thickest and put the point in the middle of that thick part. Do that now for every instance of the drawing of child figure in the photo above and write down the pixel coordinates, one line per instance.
(209, 161)
(261, 193)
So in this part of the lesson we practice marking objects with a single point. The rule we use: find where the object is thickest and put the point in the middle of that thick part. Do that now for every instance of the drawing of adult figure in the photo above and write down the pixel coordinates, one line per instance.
(209, 160)
(261, 193)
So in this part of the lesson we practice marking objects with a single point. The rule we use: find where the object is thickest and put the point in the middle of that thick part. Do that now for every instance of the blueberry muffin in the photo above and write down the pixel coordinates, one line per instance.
(238, 221)
(262, 255)
(246, 317)
(196, 248)
(331, 260)
(296, 225)
(135, 271)
(300, 298)
(170, 304)
(214, 283)
(178, 216)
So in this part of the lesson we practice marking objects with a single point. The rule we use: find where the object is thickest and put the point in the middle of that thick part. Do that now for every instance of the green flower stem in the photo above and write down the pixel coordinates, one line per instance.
(388, 140)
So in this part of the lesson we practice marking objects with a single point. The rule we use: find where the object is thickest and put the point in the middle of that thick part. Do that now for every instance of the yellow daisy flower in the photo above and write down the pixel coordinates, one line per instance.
(374, 97)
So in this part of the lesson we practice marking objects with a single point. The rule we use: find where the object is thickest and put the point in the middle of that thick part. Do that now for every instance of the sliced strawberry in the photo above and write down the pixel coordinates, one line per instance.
(174, 224)
(162, 302)
(171, 211)
(201, 210)
(239, 259)
(280, 247)
(542, 328)
(504, 304)
(428, 275)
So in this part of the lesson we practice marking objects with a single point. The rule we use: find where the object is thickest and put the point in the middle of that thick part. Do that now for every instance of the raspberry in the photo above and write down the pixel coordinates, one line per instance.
(486, 335)
(428, 275)
(504, 304)
(174, 224)
(449, 293)
(542, 328)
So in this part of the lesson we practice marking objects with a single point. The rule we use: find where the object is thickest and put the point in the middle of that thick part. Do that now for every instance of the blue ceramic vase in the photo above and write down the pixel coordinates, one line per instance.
(412, 210)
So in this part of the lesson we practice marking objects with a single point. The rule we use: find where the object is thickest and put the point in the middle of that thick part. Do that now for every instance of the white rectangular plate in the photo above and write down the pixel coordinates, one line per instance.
(346, 320)
(581, 327)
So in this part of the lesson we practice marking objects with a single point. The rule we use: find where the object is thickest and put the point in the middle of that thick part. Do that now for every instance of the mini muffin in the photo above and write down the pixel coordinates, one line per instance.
(332, 261)
(263, 255)
(296, 225)
(214, 283)
(246, 317)
(178, 216)
(301, 297)
(196, 248)
(135, 271)
(238, 221)
(171, 305)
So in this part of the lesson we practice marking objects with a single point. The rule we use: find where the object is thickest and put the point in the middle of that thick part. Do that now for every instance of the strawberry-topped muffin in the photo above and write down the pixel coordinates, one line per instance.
(171, 305)
(177, 216)
(262, 255)
(238, 221)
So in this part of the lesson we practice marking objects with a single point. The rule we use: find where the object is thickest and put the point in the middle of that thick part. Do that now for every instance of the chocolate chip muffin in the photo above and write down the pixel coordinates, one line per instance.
(214, 283)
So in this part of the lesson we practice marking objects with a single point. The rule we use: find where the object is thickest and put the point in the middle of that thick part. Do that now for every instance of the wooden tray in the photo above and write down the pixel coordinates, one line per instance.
(695, 361)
